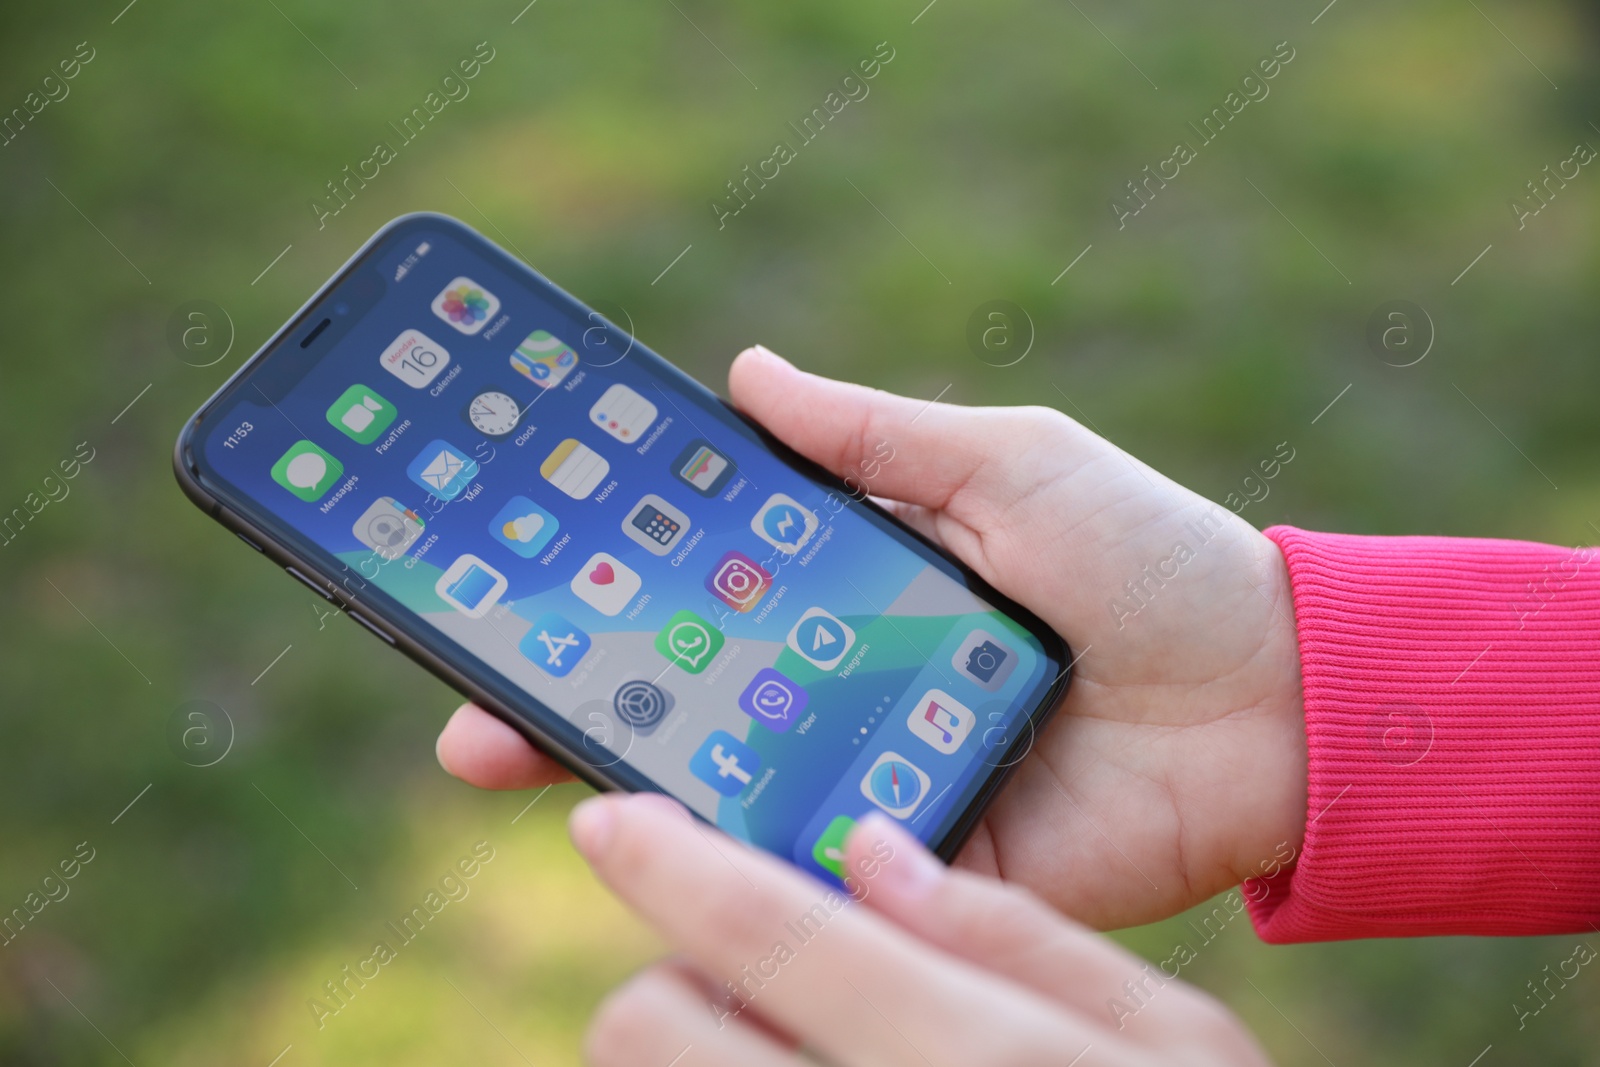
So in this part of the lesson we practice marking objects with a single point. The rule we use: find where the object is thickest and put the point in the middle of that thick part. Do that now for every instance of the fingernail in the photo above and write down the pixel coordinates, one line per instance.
(905, 867)
(769, 353)
(591, 825)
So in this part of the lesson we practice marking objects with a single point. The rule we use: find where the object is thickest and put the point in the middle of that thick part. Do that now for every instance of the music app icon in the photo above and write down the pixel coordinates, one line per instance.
(941, 720)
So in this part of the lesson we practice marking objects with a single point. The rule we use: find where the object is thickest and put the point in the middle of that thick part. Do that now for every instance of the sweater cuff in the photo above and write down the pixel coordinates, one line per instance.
(1452, 702)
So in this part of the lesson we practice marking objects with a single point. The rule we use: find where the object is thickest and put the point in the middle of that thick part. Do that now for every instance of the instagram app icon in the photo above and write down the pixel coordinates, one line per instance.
(738, 581)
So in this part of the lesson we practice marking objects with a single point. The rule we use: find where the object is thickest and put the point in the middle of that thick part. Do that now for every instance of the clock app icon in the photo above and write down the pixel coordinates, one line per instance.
(493, 413)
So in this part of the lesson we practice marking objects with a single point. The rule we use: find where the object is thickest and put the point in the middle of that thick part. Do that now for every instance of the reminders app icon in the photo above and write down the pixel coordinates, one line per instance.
(470, 586)
(622, 413)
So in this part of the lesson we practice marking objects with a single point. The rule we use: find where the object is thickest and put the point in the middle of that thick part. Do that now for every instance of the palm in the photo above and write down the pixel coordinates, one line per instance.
(1175, 766)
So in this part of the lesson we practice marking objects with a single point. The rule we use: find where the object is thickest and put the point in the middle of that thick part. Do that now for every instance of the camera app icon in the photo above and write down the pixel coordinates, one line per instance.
(738, 581)
(985, 660)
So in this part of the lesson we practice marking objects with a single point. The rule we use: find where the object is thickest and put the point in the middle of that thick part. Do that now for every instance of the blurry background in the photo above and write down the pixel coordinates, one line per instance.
(1222, 320)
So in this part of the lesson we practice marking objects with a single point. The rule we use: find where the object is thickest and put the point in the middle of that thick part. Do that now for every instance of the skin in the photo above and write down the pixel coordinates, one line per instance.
(1176, 766)
(934, 968)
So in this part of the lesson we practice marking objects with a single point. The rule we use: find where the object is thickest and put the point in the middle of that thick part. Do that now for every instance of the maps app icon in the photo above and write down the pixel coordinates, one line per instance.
(544, 359)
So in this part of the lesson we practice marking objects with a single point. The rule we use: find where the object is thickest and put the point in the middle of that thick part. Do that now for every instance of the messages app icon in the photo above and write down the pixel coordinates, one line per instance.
(307, 471)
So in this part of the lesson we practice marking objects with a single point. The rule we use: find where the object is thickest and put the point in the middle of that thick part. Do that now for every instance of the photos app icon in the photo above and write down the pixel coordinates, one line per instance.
(466, 305)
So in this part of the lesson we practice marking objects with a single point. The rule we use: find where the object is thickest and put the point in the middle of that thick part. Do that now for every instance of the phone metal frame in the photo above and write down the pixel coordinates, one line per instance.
(408, 639)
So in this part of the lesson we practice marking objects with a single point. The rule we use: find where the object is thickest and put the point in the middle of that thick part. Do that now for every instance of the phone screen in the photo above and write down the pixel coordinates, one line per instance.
(504, 476)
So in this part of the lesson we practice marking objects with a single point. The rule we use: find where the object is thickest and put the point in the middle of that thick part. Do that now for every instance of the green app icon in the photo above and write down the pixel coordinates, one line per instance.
(829, 849)
(361, 414)
(689, 641)
(307, 471)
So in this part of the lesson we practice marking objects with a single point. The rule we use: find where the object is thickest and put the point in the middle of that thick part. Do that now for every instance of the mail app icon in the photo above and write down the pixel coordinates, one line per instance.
(443, 470)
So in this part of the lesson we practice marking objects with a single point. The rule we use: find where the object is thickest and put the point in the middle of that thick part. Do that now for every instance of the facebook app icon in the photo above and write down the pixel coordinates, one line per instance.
(725, 764)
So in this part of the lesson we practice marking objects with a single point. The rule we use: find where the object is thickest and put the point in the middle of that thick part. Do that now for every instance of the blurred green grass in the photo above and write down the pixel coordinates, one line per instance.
(1198, 337)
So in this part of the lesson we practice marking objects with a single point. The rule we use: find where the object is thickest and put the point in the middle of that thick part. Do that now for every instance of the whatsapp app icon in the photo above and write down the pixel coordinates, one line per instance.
(689, 641)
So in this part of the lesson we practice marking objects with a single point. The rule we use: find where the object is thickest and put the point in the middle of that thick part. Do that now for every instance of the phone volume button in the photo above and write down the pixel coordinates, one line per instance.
(309, 584)
(370, 626)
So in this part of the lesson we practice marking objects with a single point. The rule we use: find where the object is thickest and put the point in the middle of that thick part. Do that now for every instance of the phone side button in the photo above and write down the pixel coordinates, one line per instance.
(370, 626)
(309, 584)
(249, 542)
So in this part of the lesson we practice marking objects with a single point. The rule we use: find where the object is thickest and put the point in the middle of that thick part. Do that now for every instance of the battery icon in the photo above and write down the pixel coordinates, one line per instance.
(422, 249)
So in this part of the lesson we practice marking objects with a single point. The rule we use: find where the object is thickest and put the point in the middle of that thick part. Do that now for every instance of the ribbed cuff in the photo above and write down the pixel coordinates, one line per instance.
(1452, 701)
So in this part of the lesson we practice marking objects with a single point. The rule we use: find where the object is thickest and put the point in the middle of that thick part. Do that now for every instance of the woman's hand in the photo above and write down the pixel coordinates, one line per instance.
(1177, 767)
(937, 968)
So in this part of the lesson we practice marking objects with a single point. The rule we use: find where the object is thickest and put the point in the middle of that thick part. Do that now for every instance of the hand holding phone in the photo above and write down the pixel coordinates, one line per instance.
(1178, 765)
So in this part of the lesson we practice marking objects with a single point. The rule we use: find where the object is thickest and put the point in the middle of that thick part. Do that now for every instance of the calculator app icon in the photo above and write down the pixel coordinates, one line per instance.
(655, 524)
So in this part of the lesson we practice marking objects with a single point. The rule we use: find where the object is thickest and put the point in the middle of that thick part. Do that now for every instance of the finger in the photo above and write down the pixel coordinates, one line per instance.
(481, 750)
(912, 450)
(1010, 932)
(663, 1016)
(923, 520)
(841, 979)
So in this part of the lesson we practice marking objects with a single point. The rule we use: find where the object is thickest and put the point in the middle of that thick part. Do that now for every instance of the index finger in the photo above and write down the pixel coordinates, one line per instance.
(481, 750)
(841, 979)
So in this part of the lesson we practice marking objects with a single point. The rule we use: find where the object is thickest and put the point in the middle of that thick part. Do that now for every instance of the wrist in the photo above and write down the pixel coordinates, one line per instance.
(1276, 838)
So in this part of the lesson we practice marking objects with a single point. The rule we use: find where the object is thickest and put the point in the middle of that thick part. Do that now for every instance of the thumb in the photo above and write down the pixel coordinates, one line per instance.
(914, 451)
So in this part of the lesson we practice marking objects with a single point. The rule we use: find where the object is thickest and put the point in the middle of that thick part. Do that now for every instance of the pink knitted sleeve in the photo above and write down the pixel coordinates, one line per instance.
(1452, 701)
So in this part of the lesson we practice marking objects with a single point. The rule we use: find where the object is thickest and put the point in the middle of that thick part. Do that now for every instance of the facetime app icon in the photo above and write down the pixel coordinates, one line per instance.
(574, 468)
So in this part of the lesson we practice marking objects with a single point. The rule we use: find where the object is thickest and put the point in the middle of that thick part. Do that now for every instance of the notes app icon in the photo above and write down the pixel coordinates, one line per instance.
(574, 468)
(941, 720)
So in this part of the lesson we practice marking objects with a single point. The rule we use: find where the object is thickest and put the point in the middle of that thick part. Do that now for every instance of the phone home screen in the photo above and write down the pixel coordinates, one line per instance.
(575, 516)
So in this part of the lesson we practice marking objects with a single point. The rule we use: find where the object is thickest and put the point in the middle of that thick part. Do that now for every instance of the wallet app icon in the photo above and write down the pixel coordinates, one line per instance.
(443, 470)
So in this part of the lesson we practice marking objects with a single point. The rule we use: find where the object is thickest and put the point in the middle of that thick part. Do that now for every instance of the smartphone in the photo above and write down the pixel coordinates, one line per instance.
(506, 486)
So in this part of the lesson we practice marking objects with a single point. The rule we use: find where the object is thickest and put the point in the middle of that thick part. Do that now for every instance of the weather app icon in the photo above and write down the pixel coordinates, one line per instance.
(523, 527)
